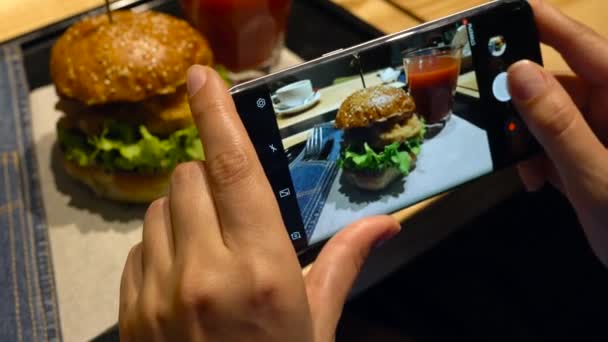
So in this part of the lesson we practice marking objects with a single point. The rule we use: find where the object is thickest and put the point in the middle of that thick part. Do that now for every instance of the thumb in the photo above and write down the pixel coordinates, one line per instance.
(557, 124)
(333, 273)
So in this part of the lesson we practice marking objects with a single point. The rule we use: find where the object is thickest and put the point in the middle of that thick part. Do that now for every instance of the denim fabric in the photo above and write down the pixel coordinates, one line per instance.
(312, 179)
(28, 303)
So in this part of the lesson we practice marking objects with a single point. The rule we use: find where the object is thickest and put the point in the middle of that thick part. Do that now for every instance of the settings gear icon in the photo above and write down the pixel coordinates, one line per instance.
(261, 103)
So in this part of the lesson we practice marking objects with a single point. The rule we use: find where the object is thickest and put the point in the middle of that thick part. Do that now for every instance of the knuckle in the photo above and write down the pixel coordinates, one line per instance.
(352, 256)
(127, 326)
(155, 209)
(184, 172)
(582, 31)
(132, 263)
(557, 115)
(265, 294)
(154, 314)
(230, 168)
(124, 295)
(341, 244)
(196, 296)
(135, 250)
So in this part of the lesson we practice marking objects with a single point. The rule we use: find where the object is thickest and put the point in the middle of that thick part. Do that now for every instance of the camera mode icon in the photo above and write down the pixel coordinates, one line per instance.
(261, 103)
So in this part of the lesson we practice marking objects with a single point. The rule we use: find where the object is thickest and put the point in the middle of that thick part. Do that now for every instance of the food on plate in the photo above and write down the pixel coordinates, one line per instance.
(382, 136)
(127, 122)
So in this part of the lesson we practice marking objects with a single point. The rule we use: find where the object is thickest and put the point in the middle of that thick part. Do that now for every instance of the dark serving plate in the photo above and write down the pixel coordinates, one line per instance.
(315, 27)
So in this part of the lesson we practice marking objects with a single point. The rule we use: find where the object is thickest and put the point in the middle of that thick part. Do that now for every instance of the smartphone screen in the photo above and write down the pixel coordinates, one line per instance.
(378, 127)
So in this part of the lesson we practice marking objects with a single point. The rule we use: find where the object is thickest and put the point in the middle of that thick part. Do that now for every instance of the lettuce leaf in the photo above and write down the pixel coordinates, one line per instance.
(124, 147)
(396, 155)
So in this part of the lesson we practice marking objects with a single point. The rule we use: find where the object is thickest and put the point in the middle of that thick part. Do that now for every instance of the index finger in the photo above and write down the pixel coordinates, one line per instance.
(584, 50)
(245, 203)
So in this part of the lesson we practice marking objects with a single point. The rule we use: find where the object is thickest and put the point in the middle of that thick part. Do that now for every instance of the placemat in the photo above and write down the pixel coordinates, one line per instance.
(28, 304)
(91, 237)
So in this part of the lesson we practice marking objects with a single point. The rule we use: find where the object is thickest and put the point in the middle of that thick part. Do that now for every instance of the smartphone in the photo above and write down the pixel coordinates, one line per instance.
(378, 127)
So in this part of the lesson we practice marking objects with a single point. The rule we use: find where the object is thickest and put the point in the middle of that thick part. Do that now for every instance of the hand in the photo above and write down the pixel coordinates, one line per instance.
(569, 117)
(216, 263)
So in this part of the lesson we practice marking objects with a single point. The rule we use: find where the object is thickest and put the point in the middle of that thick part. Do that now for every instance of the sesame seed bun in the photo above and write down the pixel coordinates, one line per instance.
(373, 105)
(137, 56)
(127, 187)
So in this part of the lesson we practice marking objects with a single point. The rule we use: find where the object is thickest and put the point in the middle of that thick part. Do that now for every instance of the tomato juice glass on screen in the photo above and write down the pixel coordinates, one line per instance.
(245, 35)
(432, 75)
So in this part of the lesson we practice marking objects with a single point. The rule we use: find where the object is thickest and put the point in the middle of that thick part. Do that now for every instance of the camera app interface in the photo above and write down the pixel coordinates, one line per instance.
(376, 131)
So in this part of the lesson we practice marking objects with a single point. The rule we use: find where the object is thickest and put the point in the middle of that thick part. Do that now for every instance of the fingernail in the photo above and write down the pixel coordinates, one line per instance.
(386, 237)
(526, 81)
(197, 76)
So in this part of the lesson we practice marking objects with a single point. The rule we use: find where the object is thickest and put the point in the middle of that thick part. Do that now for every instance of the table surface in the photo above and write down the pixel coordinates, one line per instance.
(21, 16)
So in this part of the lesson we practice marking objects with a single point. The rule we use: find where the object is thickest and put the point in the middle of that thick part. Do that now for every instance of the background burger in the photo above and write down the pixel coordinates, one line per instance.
(127, 122)
(382, 136)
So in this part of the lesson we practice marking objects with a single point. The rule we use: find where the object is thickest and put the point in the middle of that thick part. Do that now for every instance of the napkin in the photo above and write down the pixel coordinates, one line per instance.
(28, 306)
(312, 179)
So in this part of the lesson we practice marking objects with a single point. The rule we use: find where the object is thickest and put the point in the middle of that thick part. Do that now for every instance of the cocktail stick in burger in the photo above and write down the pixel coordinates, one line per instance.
(127, 123)
(382, 136)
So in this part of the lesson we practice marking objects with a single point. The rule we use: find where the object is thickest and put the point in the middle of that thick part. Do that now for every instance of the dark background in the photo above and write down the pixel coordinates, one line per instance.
(522, 271)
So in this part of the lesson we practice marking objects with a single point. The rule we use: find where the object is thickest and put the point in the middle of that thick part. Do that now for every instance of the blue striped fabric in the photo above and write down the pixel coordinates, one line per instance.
(312, 179)
(28, 303)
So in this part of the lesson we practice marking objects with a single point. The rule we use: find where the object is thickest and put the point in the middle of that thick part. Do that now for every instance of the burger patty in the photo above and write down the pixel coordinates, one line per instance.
(162, 115)
(401, 131)
(377, 136)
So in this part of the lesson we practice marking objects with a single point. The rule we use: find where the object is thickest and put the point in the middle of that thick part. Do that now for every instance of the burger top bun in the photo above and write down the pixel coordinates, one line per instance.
(137, 56)
(374, 104)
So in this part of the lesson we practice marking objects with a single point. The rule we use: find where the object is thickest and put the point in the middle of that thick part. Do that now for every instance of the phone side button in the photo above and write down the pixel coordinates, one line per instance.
(332, 53)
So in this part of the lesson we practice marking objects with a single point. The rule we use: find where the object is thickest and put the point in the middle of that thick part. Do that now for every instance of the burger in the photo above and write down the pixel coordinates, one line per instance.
(121, 85)
(382, 136)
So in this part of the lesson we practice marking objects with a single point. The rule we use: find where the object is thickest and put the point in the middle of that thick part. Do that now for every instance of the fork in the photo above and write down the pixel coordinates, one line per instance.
(314, 144)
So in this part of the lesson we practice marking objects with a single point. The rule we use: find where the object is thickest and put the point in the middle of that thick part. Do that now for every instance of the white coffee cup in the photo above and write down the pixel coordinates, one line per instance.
(294, 94)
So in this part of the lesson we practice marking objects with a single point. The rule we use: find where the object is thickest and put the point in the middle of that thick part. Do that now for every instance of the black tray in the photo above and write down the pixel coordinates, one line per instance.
(315, 27)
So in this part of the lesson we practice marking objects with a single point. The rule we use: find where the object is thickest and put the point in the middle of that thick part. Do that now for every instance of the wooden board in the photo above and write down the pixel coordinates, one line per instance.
(590, 12)
(22, 16)
(380, 14)
(434, 9)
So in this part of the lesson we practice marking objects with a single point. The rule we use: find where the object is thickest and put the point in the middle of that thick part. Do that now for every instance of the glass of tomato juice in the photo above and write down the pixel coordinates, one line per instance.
(432, 75)
(246, 35)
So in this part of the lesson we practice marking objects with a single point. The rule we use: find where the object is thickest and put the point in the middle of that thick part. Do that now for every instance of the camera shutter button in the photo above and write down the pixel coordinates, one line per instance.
(500, 88)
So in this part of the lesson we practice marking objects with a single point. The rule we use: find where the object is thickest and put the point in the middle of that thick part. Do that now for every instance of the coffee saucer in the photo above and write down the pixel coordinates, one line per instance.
(308, 103)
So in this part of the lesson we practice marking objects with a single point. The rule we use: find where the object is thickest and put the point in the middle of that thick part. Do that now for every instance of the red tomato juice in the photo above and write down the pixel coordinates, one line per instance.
(242, 33)
(432, 82)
